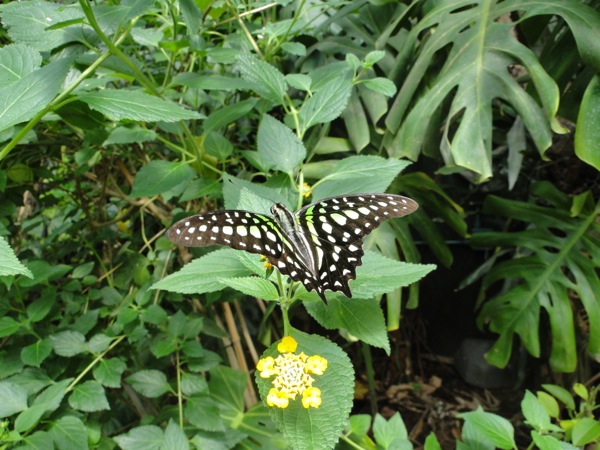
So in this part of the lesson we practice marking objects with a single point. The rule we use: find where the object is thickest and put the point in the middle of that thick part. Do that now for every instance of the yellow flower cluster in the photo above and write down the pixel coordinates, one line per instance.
(292, 375)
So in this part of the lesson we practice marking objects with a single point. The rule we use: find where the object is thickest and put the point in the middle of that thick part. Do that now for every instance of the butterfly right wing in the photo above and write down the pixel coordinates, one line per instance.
(241, 230)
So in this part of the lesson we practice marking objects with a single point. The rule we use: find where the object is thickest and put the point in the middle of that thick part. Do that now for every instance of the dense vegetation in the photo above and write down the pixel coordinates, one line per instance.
(119, 118)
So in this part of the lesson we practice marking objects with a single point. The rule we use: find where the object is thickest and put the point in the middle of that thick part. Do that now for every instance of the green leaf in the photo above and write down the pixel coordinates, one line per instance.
(561, 394)
(205, 274)
(119, 104)
(534, 412)
(29, 418)
(546, 442)
(228, 114)
(109, 371)
(227, 388)
(315, 428)
(203, 412)
(585, 431)
(356, 123)
(391, 433)
(265, 79)
(538, 277)
(68, 343)
(192, 384)
(8, 326)
(362, 318)
(51, 398)
(175, 438)
(326, 104)
(549, 403)
(148, 437)
(432, 443)
(9, 264)
(381, 85)
(89, 396)
(218, 146)
(278, 147)
(129, 135)
(23, 99)
(254, 287)
(16, 61)
(151, 383)
(13, 399)
(210, 82)
(299, 81)
(587, 132)
(35, 354)
(69, 432)
(160, 176)
(496, 429)
(357, 175)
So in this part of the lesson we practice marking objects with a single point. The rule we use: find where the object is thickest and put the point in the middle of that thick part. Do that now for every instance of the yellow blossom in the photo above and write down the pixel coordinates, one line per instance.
(277, 398)
(311, 397)
(292, 375)
(306, 190)
(287, 345)
(316, 364)
(266, 366)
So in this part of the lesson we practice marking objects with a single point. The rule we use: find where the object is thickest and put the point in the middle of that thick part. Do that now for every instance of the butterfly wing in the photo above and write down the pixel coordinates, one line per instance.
(337, 226)
(242, 230)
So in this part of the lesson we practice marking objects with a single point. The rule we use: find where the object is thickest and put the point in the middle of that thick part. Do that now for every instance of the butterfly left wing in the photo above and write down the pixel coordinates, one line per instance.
(337, 226)
(242, 230)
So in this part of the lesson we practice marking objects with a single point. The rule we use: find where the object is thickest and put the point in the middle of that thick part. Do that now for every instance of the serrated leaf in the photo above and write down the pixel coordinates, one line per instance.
(8, 326)
(326, 104)
(89, 396)
(174, 438)
(266, 80)
(69, 432)
(9, 264)
(534, 412)
(315, 428)
(16, 61)
(109, 371)
(203, 412)
(159, 176)
(129, 135)
(359, 174)
(119, 104)
(362, 318)
(278, 146)
(148, 437)
(13, 399)
(253, 286)
(23, 99)
(68, 343)
(496, 429)
(34, 354)
(29, 418)
(204, 274)
(151, 383)
(228, 114)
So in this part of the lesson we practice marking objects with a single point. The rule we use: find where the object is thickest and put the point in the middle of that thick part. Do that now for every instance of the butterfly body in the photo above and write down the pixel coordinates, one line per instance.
(319, 246)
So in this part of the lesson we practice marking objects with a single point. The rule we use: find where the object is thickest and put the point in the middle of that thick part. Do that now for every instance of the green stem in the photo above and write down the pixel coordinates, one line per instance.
(366, 351)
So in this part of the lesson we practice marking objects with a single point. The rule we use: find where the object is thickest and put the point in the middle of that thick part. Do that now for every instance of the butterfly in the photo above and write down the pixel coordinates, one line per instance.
(319, 246)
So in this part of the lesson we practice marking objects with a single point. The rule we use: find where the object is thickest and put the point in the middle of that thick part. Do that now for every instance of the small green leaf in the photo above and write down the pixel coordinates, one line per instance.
(68, 343)
(29, 418)
(8, 326)
(294, 48)
(151, 383)
(9, 264)
(266, 80)
(148, 437)
(34, 354)
(69, 432)
(549, 403)
(192, 384)
(89, 396)
(129, 135)
(299, 81)
(381, 85)
(326, 104)
(253, 286)
(546, 442)
(159, 176)
(278, 146)
(534, 412)
(13, 399)
(496, 429)
(373, 57)
(561, 394)
(391, 434)
(224, 116)
(174, 438)
(581, 391)
(218, 146)
(585, 431)
(119, 104)
(203, 412)
(109, 371)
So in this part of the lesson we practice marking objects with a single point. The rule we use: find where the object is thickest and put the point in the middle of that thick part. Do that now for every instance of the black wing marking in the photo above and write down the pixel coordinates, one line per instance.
(242, 230)
(337, 226)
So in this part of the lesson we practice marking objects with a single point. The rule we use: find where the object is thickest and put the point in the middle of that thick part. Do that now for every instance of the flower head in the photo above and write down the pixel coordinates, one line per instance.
(292, 375)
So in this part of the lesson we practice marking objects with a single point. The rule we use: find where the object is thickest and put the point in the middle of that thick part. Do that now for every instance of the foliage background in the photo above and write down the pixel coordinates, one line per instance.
(119, 117)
